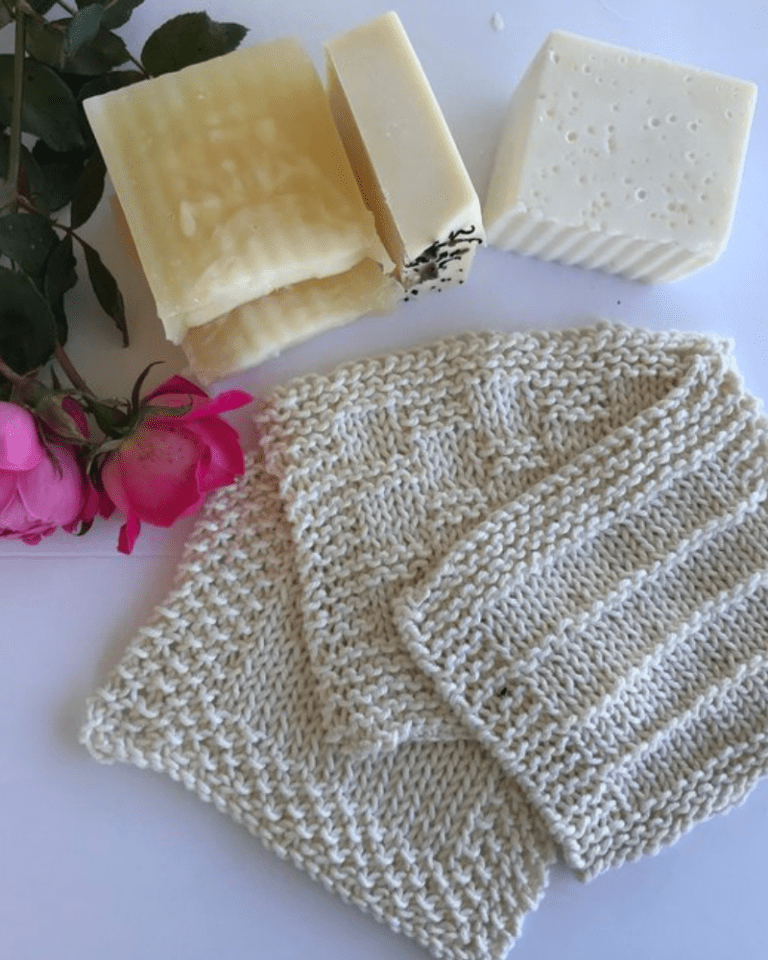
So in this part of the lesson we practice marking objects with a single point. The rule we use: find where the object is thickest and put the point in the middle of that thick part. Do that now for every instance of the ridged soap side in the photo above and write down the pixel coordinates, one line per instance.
(642, 260)
(264, 327)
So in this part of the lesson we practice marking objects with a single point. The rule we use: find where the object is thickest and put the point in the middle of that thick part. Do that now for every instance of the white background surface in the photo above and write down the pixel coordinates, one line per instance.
(113, 862)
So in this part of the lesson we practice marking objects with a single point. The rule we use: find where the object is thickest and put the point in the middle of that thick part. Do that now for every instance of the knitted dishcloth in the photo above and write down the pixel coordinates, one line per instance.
(540, 555)
(217, 691)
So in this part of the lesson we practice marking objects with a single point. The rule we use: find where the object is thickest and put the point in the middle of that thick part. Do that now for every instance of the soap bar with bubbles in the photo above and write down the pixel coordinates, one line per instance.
(619, 161)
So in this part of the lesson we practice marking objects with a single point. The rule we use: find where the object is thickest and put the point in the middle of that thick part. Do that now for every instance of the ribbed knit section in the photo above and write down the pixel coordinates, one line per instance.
(606, 633)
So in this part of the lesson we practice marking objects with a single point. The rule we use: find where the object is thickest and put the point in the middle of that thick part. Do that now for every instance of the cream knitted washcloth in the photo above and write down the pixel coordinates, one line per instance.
(468, 600)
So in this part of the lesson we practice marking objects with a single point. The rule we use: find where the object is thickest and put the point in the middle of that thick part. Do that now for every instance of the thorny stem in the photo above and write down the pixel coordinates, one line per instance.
(14, 157)
(72, 375)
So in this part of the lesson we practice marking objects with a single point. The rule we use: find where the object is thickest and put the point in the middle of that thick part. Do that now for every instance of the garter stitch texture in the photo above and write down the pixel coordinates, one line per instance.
(470, 602)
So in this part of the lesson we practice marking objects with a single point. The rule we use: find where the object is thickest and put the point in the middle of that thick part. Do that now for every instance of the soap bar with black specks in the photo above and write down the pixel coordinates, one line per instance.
(405, 159)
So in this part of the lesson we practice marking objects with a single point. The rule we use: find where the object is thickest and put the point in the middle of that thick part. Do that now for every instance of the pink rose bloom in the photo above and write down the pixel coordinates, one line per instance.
(165, 469)
(40, 490)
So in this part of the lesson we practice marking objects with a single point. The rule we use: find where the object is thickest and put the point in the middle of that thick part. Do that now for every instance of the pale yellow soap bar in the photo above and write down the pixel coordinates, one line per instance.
(406, 161)
(234, 182)
(262, 328)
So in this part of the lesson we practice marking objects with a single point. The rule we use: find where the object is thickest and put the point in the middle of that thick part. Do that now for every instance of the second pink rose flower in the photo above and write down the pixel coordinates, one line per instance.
(166, 467)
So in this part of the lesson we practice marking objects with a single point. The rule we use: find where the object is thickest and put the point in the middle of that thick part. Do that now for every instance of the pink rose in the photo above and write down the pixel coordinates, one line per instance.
(41, 488)
(167, 466)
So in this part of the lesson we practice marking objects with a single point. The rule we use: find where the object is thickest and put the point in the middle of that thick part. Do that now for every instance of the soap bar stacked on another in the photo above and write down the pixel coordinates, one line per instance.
(249, 214)
(408, 166)
(619, 161)
(236, 188)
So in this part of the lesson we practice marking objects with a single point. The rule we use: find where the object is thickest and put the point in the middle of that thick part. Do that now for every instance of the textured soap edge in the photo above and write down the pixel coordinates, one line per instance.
(509, 226)
(633, 258)
(262, 328)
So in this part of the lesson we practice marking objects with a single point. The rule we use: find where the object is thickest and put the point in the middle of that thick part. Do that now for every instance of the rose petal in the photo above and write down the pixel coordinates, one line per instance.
(194, 507)
(15, 517)
(175, 385)
(199, 407)
(17, 524)
(225, 456)
(34, 538)
(230, 400)
(73, 408)
(129, 532)
(7, 490)
(53, 495)
(153, 474)
(95, 504)
(20, 447)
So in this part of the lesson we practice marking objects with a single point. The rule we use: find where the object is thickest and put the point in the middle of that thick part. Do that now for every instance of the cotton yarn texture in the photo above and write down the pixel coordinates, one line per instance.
(471, 605)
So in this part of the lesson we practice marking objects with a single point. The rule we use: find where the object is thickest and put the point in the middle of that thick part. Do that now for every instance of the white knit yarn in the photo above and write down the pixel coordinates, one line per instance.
(433, 840)
(491, 593)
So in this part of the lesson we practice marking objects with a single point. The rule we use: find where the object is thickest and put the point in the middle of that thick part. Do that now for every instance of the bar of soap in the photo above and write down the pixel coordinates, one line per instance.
(406, 161)
(262, 328)
(619, 161)
(234, 182)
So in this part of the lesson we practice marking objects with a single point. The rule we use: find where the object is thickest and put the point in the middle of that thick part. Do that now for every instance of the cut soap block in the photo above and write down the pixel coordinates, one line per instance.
(263, 327)
(406, 161)
(234, 182)
(619, 161)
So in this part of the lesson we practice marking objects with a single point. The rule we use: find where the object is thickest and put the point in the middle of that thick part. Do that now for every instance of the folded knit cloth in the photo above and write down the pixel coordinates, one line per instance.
(470, 605)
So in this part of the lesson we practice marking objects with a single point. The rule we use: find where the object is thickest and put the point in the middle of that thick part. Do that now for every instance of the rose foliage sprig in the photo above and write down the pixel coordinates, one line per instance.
(67, 456)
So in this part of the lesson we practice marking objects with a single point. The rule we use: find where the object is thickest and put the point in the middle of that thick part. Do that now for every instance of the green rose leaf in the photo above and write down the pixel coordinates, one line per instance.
(59, 173)
(105, 52)
(47, 42)
(115, 13)
(27, 240)
(27, 326)
(49, 109)
(89, 189)
(31, 178)
(106, 289)
(60, 276)
(187, 39)
(82, 29)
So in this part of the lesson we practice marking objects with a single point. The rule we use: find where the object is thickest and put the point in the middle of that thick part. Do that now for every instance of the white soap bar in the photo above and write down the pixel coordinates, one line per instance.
(234, 181)
(406, 161)
(262, 328)
(619, 161)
